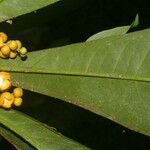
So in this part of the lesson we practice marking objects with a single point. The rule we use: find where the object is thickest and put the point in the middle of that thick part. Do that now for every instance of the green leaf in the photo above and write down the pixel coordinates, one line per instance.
(13, 8)
(121, 57)
(40, 136)
(110, 32)
(38, 19)
(109, 77)
(115, 31)
(17, 142)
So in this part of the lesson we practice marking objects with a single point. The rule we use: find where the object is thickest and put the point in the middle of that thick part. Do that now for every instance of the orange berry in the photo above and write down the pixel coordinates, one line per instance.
(7, 99)
(5, 75)
(5, 82)
(5, 85)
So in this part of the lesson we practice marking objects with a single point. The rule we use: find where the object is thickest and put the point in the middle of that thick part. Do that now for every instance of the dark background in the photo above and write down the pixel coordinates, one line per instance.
(52, 26)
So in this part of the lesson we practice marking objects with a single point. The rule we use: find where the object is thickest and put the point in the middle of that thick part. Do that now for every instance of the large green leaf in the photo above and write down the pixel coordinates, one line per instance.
(120, 57)
(13, 8)
(17, 142)
(109, 77)
(40, 136)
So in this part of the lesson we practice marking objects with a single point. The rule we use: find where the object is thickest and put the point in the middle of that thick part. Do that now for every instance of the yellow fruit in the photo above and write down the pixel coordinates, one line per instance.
(2, 56)
(5, 75)
(7, 99)
(7, 105)
(18, 92)
(1, 42)
(19, 45)
(1, 102)
(8, 96)
(18, 101)
(5, 50)
(23, 51)
(5, 83)
(13, 54)
(12, 45)
(4, 36)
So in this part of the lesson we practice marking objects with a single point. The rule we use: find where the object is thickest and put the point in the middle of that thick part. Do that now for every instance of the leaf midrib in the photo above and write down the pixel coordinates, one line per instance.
(133, 78)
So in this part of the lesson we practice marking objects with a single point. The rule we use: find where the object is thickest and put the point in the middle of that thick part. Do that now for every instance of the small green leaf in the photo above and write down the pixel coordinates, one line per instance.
(40, 136)
(135, 23)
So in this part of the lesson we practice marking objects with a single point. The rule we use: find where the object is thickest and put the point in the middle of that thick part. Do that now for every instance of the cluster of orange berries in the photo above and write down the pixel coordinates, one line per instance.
(7, 99)
(12, 48)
